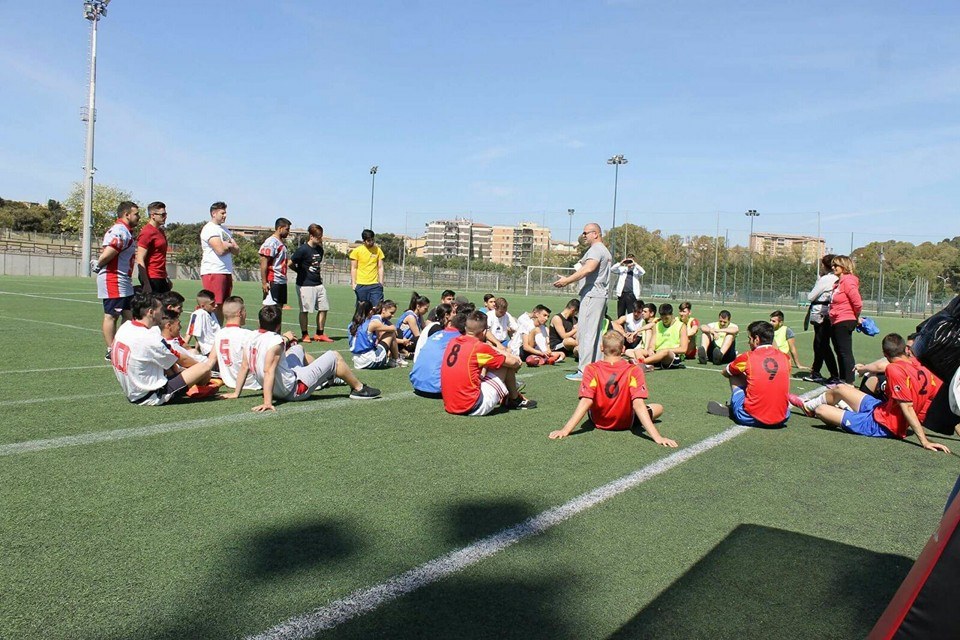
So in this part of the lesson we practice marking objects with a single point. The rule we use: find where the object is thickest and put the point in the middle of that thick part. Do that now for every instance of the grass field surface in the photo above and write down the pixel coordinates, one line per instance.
(204, 520)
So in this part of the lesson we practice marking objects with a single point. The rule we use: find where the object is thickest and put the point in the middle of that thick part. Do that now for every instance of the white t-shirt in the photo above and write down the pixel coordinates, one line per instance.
(229, 343)
(285, 380)
(524, 326)
(500, 326)
(210, 262)
(139, 357)
(203, 326)
(422, 340)
(632, 323)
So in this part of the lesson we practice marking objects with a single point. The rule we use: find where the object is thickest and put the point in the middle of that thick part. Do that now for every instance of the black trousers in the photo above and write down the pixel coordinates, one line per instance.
(626, 303)
(822, 351)
(842, 339)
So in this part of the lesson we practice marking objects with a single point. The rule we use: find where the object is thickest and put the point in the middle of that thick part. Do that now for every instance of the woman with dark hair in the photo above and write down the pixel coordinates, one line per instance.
(819, 298)
(845, 308)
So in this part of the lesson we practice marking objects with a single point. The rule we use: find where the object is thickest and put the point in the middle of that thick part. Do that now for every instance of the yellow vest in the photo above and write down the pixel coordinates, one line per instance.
(668, 337)
(780, 339)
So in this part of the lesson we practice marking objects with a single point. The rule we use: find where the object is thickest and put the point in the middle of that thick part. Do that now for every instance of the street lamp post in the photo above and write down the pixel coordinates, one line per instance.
(752, 213)
(570, 232)
(616, 161)
(93, 10)
(373, 183)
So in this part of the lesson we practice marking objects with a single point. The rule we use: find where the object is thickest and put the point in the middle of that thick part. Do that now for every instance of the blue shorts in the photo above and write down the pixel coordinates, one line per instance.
(116, 306)
(862, 423)
(739, 414)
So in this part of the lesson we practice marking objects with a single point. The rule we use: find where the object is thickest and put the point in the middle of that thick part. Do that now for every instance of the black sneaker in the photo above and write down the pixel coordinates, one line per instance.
(366, 392)
(717, 357)
(701, 355)
(522, 403)
(107, 355)
(813, 377)
(715, 408)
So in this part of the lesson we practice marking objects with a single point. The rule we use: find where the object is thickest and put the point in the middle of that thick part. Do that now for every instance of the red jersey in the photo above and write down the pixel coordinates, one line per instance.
(460, 372)
(613, 386)
(767, 370)
(154, 240)
(907, 381)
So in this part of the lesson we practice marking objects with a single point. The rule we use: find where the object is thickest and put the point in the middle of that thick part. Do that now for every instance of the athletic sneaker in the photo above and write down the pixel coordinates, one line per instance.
(715, 408)
(717, 357)
(366, 392)
(534, 361)
(521, 402)
(333, 382)
(677, 363)
(199, 391)
(648, 368)
(305, 338)
(576, 376)
(813, 377)
(830, 383)
(322, 337)
(701, 355)
(798, 402)
(106, 356)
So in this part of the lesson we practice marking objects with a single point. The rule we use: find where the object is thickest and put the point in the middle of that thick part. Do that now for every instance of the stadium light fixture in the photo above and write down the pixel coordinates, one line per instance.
(616, 161)
(93, 10)
(751, 213)
(373, 182)
(570, 231)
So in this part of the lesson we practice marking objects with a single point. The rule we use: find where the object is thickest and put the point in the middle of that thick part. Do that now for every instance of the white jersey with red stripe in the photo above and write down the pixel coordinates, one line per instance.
(113, 280)
(275, 252)
(285, 380)
(140, 356)
(229, 343)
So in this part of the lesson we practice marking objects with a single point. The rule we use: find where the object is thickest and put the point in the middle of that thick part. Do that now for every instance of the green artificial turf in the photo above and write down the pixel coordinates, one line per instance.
(241, 521)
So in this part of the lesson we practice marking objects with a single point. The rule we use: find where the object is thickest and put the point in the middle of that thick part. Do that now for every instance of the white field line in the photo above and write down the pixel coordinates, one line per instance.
(14, 403)
(31, 295)
(52, 324)
(52, 369)
(366, 600)
(30, 446)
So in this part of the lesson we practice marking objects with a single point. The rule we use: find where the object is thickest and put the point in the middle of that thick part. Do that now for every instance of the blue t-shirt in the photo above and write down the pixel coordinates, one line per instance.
(364, 340)
(404, 330)
(425, 374)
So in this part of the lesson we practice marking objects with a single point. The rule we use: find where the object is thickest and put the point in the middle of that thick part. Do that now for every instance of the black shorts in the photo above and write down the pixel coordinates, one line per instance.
(279, 293)
(880, 392)
(728, 357)
(175, 387)
(939, 418)
(158, 285)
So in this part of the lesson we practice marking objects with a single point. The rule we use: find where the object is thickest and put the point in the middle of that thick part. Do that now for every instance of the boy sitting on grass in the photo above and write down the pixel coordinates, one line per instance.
(911, 388)
(203, 322)
(613, 392)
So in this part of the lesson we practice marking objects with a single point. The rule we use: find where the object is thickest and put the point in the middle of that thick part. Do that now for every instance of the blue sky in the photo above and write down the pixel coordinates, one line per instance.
(501, 111)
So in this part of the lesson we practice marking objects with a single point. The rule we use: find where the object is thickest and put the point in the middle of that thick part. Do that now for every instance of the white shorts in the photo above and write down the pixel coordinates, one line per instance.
(376, 358)
(492, 394)
(313, 299)
(311, 376)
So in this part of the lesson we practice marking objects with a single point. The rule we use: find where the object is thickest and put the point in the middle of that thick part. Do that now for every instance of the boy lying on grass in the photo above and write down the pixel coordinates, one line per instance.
(613, 393)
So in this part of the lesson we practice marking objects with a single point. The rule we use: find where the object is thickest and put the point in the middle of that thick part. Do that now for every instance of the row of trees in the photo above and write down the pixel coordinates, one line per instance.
(687, 264)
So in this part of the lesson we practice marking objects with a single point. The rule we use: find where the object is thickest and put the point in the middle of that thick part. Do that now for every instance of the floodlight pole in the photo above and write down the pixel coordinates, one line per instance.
(373, 183)
(570, 231)
(616, 161)
(93, 10)
(752, 213)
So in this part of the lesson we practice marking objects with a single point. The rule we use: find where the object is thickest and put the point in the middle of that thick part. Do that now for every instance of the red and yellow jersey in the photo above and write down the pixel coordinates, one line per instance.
(461, 369)
(613, 386)
(907, 381)
(767, 370)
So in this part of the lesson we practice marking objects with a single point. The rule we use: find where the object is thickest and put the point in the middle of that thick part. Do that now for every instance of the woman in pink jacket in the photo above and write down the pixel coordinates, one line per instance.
(845, 308)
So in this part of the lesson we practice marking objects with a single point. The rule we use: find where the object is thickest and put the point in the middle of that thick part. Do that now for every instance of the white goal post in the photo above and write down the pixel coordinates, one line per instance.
(552, 274)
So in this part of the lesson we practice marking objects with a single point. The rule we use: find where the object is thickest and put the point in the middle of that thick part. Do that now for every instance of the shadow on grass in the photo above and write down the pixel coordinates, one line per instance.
(761, 582)
(496, 604)
(212, 609)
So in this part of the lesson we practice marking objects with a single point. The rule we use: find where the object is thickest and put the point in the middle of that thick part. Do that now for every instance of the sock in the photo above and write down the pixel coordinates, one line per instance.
(810, 405)
(319, 332)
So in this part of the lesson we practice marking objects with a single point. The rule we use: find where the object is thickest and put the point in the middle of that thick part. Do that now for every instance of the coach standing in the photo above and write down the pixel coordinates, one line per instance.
(152, 251)
(366, 269)
(595, 272)
(216, 266)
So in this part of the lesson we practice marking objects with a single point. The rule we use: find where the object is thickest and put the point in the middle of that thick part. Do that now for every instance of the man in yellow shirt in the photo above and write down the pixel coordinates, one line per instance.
(366, 270)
